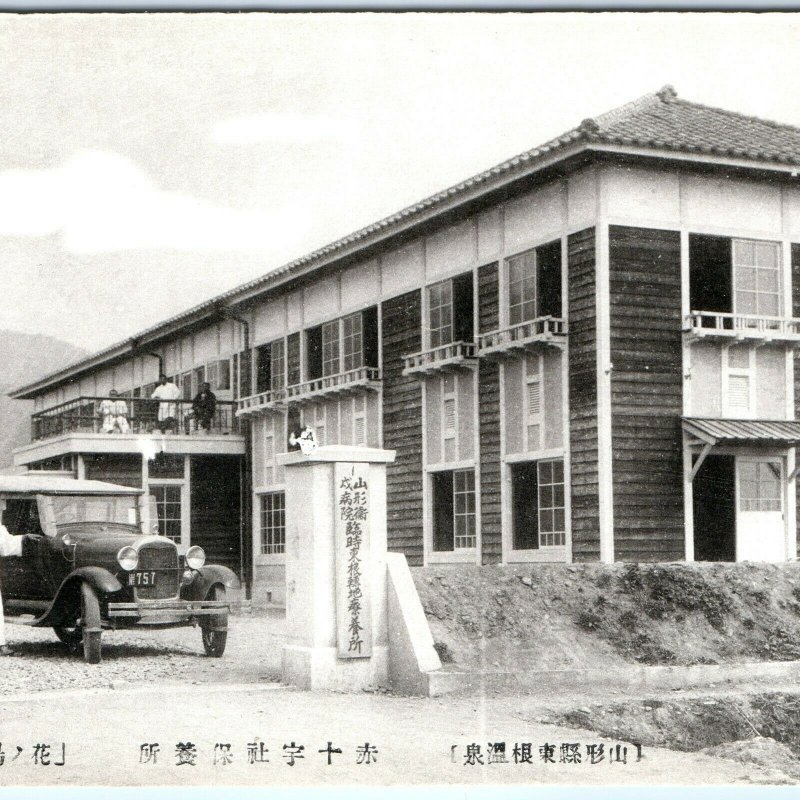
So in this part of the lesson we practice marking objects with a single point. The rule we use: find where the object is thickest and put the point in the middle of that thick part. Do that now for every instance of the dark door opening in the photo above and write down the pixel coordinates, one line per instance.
(715, 510)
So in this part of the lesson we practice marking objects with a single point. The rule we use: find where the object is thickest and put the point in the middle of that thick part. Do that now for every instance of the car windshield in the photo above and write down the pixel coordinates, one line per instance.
(87, 508)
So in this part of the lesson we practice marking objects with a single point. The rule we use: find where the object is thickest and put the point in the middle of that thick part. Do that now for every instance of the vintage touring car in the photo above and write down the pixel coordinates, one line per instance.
(92, 560)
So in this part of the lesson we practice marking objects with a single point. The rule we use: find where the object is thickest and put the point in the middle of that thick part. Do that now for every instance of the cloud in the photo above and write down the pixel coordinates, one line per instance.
(102, 202)
(283, 126)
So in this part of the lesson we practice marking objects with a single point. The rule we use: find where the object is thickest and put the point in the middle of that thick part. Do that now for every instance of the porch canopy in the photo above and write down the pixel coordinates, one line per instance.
(711, 432)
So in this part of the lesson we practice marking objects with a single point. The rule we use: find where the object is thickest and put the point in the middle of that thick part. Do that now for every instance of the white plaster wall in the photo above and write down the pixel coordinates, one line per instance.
(360, 286)
(553, 400)
(646, 194)
(771, 383)
(746, 205)
(582, 199)
(321, 300)
(451, 251)
(490, 235)
(465, 404)
(294, 311)
(104, 382)
(403, 269)
(514, 437)
(706, 391)
(205, 345)
(269, 321)
(433, 420)
(534, 217)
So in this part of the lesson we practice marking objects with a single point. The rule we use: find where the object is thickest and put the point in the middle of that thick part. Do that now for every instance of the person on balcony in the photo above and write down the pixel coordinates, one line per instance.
(114, 411)
(167, 393)
(203, 407)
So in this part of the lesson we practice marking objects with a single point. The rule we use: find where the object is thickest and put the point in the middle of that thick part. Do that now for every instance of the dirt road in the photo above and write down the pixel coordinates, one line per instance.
(160, 690)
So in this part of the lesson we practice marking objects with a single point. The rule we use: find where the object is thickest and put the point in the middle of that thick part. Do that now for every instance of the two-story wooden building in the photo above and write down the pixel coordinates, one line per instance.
(584, 353)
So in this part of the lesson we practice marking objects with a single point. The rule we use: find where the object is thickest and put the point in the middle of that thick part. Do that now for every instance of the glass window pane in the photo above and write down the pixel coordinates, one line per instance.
(746, 278)
(766, 254)
(746, 303)
(768, 305)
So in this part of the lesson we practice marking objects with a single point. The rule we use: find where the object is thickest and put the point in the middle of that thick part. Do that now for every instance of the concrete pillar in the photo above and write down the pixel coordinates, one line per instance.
(336, 598)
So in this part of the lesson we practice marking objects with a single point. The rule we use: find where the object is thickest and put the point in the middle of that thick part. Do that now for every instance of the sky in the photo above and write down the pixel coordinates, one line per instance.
(151, 161)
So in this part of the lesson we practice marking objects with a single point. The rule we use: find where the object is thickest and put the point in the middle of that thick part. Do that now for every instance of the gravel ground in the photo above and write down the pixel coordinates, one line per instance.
(42, 662)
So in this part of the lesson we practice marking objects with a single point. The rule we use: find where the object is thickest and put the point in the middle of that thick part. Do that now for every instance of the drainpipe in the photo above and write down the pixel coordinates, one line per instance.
(246, 478)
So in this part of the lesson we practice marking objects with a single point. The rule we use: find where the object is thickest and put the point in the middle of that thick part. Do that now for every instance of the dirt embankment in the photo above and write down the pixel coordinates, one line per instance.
(595, 616)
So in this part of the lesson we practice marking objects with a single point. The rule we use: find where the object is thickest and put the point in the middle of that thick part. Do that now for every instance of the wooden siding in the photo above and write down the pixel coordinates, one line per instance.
(646, 394)
(796, 313)
(582, 316)
(489, 421)
(215, 511)
(402, 426)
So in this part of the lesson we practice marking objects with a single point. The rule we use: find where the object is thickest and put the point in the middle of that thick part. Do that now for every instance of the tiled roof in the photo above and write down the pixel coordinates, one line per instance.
(664, 121)
(659, 121)
(751, 431)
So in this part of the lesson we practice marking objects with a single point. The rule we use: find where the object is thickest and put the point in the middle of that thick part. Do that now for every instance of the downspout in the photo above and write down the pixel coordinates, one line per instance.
(246, 480)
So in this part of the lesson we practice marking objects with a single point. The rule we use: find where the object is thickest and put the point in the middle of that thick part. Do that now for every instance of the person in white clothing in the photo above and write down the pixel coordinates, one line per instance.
(167, 411)
(9, 546)
(114, 412)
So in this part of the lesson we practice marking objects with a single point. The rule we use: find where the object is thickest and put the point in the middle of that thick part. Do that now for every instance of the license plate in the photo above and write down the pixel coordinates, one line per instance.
(142, 578)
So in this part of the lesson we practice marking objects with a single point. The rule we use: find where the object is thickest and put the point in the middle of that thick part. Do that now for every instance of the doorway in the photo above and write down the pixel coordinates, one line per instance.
(714, 504)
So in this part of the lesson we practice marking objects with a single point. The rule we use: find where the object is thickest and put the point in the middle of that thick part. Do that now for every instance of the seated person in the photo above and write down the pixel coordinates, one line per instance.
(203, 407)
(114, 411)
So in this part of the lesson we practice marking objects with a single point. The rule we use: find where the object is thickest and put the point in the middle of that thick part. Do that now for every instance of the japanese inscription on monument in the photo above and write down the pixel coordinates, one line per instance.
(353, 626)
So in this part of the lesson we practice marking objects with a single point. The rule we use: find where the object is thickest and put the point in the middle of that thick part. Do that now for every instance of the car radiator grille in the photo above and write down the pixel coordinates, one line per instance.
(163, 558)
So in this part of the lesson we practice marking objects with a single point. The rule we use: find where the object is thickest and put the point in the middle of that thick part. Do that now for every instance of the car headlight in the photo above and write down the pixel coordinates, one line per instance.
(128, 558)
(195, 557)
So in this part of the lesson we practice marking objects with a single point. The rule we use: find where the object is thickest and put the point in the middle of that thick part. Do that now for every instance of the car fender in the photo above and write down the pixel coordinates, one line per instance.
(100, 579)
(212, 574)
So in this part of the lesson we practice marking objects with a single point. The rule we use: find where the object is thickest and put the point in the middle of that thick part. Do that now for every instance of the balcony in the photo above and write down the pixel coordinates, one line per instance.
(83, 415)
(717, 326)
(273, 400)
(542, 331)
(354, 381)
(78, 426)
(446, 358)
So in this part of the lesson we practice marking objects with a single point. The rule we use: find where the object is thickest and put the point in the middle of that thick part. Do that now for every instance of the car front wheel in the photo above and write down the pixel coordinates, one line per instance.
(215, 627)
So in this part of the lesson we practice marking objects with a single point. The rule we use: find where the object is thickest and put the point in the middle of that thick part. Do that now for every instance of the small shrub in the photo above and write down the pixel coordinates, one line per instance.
(443, 651)
(628, 620)
(588, 620)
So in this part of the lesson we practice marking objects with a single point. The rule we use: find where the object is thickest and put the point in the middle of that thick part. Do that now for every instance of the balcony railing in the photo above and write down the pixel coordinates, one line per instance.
(85, 415)
(540, 331)
(717, 325)
(274, 399)
(458, 355)
(353, 381)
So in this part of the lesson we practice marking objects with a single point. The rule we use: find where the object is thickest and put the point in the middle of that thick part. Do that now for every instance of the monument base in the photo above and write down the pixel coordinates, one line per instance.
(320, 668)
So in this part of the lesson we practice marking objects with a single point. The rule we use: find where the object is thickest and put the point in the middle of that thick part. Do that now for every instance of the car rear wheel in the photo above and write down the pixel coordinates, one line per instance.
(70, 635)
(215, 627)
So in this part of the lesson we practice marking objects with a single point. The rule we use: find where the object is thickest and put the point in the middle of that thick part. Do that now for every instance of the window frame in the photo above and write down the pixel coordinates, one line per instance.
(267, 546)
(737, 246)
(165, 485)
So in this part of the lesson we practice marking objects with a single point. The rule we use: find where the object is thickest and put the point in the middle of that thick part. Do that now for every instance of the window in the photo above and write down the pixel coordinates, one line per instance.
(352, 342)
(273, 523)
(440, 313)
(760, 486)
(454, 526)
(450, 311)
(224, 375)
(168, 506)
(198, 377)
(330, 348)
(270, 366)
(739, 276)
(277, 367)
(186, 385)
(293, 359)
(756, 273)
(538, 510)
(534, 284)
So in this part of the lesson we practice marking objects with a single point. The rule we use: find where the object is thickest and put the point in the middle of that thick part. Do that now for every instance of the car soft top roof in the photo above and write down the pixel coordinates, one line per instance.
(58, 484)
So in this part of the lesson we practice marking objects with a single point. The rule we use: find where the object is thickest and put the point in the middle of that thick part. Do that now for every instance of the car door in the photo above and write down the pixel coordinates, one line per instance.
(22, 577)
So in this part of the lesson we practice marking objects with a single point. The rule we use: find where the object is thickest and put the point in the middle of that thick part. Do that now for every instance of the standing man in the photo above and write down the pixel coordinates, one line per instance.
(204, 405)
(9, 546)
(167, 391)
